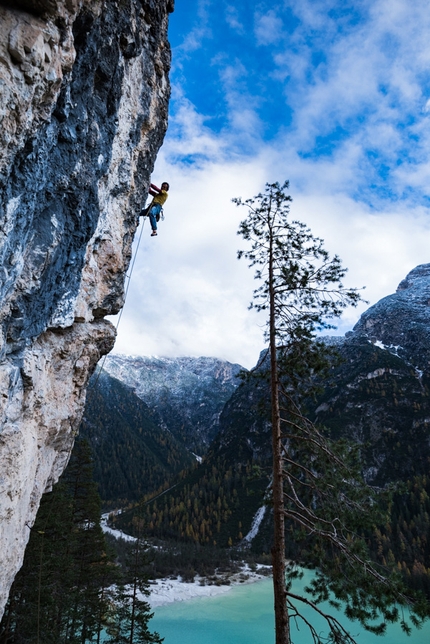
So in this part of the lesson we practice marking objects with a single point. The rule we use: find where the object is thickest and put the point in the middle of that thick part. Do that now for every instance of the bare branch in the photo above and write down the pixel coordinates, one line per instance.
(333, 623)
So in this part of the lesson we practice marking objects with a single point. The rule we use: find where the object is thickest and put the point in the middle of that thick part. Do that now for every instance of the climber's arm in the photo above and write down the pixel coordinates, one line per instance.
(153, 190)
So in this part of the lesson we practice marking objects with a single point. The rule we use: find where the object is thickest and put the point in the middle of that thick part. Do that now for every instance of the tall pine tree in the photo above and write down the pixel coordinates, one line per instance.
(317, 489)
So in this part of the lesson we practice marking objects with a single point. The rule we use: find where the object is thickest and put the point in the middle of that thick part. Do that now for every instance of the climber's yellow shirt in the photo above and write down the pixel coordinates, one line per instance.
(161, 198)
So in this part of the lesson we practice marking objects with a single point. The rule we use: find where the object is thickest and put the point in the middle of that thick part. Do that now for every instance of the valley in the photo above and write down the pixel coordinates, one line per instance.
(200, 501)
(377, 395)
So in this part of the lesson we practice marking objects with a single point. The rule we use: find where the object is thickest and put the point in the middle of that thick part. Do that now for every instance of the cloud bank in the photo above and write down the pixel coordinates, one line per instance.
(333, 96)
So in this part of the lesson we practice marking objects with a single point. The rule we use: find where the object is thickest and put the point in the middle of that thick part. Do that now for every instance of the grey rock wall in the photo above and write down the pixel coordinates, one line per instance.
(83, 111)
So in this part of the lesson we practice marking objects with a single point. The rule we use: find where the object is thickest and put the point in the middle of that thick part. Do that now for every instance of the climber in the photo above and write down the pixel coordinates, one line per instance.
(155, 207)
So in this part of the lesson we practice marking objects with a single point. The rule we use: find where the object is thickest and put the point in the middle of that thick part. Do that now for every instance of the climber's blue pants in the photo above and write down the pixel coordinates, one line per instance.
(154, 211)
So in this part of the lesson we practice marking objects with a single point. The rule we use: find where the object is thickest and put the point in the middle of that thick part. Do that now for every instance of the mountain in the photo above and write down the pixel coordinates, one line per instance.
(379, 394)
(381, 401)
(186, 395)
(133, 456)
(376, 395)
(400, 323)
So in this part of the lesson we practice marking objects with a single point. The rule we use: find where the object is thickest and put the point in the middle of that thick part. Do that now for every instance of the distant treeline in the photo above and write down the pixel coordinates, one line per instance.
(214, 506)
(405, 539)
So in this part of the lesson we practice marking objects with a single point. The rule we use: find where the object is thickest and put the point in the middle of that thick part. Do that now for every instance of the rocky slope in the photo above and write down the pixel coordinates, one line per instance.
(400, 322)
(83, 108)
(379, 394)
(186, 395)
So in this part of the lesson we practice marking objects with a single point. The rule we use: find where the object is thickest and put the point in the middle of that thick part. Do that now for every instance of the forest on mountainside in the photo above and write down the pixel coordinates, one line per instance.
(386, 414)
(77, 582)
(405, 539)
(214, 505)
(132, 455)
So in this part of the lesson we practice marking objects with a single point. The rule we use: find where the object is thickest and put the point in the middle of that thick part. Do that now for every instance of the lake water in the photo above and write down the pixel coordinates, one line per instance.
(245, 616)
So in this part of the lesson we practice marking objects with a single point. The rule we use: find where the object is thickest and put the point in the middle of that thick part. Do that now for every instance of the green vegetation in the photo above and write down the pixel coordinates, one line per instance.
(318, 492)
(376, 399)
(245, 434)
(213, 505)
(175, 559)
(132, 454)
(69, 588)
(404, 540)
(396, 439)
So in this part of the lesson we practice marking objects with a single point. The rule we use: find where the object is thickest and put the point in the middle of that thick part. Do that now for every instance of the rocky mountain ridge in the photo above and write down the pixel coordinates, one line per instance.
(400, 322)
(186, 395)
(84, 94)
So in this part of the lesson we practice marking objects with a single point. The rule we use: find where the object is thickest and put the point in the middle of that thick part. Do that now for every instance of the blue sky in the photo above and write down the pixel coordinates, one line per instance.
(332, 95)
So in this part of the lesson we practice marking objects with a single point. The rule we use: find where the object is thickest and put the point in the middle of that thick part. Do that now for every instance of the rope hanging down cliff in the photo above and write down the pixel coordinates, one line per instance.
(154, 212)
(92, 387)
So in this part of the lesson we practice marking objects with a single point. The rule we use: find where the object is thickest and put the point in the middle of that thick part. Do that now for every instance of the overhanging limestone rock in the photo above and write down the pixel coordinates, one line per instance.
(83, 108)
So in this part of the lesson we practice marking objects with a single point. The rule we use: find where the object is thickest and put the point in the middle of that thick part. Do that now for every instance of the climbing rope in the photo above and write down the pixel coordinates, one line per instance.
(129, 276)
(125, 299)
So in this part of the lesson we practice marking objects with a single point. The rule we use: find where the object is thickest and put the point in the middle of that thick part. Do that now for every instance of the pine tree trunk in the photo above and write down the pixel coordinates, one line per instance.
(135, 575)
(282, 627)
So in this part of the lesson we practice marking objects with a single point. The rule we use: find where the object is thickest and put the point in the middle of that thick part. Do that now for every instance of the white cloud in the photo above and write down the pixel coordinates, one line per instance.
(190, 136)
(372, 70)
(232, 19)
(313, 13)
(194, 39)
(189, 294)
(268, 28)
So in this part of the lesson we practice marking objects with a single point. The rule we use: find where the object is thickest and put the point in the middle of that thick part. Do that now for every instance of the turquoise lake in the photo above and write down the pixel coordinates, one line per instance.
(245, 616)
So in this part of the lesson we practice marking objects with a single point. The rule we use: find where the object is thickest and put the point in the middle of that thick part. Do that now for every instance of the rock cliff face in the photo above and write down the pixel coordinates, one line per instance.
(83, 109)
(401, 322)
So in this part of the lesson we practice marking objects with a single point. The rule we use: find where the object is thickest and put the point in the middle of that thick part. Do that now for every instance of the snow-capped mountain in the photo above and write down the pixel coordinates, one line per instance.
(186, 395)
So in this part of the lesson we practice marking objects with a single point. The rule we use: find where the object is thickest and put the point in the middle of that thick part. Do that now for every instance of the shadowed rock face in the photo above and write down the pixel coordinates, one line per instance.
(83, 109)
(401, 322)
(379, 394)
